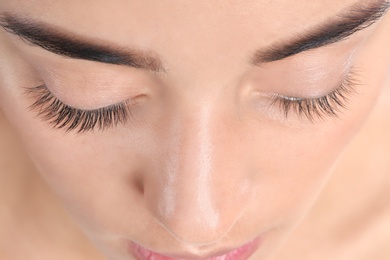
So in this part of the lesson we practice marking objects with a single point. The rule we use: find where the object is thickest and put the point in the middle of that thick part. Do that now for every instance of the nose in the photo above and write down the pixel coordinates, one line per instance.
(200, 184)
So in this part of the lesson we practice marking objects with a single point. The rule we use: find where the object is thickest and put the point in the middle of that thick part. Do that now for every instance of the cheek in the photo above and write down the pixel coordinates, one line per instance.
(293, 163)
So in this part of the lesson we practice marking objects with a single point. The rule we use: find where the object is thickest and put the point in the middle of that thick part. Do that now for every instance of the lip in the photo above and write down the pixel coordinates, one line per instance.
(241, 253)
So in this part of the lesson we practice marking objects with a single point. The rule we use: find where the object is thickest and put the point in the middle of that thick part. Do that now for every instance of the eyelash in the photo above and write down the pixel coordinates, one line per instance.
(62, 116)
(330, 105)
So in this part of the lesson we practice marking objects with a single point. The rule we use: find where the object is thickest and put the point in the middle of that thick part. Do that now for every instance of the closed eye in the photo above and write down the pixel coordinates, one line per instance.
(330, 105)
(63, 116)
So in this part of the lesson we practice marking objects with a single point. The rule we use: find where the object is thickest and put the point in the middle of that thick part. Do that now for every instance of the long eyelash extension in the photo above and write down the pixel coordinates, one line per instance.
(62, 116)
(318, 108)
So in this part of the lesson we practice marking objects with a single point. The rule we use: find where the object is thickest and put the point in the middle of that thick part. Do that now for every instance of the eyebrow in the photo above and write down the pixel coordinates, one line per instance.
(350, 21)
(63, 43)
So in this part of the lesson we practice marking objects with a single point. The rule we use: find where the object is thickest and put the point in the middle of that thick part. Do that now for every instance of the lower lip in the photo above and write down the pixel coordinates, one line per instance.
(241, 253)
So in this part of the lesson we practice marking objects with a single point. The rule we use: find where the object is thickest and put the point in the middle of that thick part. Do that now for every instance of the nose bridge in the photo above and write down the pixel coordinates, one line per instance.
(198, 196)
(196, 163)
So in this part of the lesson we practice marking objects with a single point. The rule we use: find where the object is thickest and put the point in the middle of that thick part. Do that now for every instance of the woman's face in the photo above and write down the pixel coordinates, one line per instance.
(191, 128)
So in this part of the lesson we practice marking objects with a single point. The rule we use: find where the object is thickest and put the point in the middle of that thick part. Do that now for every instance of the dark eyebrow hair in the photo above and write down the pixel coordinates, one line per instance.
(356, 18)
(60, 42)
(65, 44)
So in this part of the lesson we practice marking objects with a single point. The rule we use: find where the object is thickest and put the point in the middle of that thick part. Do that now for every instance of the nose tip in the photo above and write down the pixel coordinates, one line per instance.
(196, 212)
(195, 224)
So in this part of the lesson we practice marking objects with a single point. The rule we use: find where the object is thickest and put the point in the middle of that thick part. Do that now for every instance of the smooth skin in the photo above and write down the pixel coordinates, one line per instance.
(202, 152)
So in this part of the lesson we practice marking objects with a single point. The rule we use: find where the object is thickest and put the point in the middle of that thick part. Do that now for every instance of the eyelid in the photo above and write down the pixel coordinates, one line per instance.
(312, 109)
(63, 116)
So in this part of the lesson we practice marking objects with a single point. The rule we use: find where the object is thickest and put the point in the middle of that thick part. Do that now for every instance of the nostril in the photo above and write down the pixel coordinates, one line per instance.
(137, 183)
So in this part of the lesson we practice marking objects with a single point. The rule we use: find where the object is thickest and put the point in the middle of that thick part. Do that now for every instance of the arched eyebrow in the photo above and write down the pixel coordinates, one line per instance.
(64, 43)
(353, 19)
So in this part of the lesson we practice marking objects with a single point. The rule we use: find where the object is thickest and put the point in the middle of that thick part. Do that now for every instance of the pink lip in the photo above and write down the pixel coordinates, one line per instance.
(241, 253)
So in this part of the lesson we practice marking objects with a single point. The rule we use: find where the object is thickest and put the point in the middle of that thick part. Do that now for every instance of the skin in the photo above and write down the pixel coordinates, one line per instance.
(202, 153)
